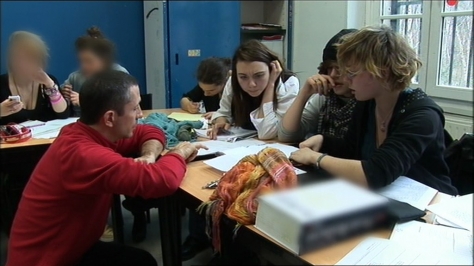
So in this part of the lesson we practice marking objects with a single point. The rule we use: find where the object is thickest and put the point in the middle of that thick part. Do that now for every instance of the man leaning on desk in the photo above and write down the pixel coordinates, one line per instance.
(66, 202)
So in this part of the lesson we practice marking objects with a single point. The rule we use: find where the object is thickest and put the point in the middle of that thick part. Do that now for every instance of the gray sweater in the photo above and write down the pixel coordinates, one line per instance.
(76, 79)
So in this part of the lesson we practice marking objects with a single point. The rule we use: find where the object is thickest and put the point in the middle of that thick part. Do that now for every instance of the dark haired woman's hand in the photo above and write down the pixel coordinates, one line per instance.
(318, 84)
(208, 115)
(314, 143)
(220, 124)
(275, 72)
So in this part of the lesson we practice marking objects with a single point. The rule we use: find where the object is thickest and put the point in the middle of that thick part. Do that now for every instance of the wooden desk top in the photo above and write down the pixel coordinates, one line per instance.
(34, 142)
(200, 174)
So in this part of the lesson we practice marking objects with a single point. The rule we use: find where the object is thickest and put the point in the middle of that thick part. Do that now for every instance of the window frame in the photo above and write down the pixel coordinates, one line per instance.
(456, 100)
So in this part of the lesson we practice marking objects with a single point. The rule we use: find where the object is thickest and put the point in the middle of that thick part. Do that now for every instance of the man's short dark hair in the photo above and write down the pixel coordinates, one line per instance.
(108, 90)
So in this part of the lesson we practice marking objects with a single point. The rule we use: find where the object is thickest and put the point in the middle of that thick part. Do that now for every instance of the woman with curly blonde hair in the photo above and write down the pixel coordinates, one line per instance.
(395, 130)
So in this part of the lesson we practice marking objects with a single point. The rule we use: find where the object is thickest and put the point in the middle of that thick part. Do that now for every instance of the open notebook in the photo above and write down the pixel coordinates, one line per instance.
(230, 135)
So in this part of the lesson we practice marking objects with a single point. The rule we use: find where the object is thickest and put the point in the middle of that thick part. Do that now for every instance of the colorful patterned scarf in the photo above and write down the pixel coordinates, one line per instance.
(237, 192)
(334, 116)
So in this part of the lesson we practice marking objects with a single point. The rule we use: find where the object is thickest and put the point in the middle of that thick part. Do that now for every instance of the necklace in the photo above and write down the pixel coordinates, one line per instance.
(383, 124)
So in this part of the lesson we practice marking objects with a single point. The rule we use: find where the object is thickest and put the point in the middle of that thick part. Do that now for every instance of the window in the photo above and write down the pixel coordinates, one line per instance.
(441, 33)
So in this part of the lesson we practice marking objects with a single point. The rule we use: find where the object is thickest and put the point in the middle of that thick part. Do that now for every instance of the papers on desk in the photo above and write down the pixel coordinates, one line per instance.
(454, 245)
(407, 190)
(378, 251)
(50, 129)
(185, 117)
(218, 147)
(233, 134)
(457, 212)
(225, 162)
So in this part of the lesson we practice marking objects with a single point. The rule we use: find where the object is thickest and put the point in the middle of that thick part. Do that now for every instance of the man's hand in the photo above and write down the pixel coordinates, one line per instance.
(146, 159)
(188, 151)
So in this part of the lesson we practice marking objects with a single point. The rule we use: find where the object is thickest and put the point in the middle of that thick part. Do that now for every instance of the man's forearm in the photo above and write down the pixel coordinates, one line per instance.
(152, 148)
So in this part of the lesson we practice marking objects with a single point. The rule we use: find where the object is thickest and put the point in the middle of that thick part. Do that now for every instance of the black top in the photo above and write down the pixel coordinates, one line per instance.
(414, 146)
(211, 103)
(43, 110)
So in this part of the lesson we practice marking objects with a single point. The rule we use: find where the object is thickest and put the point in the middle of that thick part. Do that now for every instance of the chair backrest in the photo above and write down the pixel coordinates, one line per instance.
(146, 103)
(460, 159)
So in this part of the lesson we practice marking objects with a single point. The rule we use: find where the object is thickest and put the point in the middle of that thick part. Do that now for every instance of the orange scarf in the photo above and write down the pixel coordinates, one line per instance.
(237, 192)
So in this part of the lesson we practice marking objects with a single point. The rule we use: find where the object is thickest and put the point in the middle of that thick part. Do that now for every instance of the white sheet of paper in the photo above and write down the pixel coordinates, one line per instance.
(454, 244)
(407, 190)
(32, 123)
(236, 132)
(456, 210)
(217, 146)
(62, 122)
(225, 162)
(378, 251)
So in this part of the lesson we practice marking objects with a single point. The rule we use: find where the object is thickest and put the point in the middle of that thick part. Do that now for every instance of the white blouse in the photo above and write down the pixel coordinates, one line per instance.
(267, 127)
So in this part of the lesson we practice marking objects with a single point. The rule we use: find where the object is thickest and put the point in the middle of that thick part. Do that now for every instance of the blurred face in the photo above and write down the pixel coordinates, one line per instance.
(126, 124)
(363, 85)
(342, 85)
(24, 61)
(90, 63)
(211, 89)
(253, 77)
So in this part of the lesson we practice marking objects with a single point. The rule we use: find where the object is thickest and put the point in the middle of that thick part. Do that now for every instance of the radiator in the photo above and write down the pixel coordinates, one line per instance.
(458, 125)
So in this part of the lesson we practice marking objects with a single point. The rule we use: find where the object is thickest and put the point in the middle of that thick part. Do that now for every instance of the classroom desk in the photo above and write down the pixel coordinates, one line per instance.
(191, 195)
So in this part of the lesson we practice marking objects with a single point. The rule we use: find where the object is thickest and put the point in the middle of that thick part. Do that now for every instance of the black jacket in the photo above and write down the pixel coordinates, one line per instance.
(414, 146)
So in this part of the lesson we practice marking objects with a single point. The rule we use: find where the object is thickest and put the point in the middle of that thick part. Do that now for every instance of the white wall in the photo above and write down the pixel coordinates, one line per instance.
(314, 23)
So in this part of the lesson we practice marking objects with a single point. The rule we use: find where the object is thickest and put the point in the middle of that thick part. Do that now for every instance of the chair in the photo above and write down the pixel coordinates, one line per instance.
(146, 103)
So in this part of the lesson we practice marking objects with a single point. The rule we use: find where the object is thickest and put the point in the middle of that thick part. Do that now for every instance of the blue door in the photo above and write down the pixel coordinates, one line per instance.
(197, 30)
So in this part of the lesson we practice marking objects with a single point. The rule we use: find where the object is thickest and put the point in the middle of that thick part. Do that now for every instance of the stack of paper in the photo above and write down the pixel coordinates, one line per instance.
(378, 251)
(50, 129)
(225, 162)
(454, 245)
(407, 190)
(185, 116)
(456, 212)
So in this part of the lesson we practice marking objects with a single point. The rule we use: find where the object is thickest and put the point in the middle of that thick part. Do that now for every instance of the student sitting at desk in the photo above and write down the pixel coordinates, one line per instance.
(258, 93)
(66, 202)
(212, 75)
(395, 130)
(38, 95)
(311, 112)
(95, 53)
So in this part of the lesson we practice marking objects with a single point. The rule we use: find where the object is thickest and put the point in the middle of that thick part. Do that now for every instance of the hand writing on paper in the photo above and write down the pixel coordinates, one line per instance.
(220, 124)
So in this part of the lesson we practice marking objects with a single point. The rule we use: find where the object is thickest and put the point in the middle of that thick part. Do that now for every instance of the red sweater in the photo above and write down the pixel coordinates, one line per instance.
(66, 202)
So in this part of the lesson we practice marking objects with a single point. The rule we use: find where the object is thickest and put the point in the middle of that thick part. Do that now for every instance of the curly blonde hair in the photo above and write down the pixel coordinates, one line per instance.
(382, 52)
(32, 43)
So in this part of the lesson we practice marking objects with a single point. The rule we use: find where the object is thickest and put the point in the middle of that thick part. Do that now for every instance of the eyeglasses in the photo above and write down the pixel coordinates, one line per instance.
(351, 75)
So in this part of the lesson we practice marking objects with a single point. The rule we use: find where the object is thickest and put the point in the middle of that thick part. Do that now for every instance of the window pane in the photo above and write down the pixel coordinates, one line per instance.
(462, 5)
(455, 68)
(402, 7)
(410, 28)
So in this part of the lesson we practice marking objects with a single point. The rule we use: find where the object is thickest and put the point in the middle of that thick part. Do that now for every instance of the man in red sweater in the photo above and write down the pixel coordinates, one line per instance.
(65, 205)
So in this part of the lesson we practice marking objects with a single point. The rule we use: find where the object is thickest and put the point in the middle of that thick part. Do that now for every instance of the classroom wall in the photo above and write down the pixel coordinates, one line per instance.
(61, 22)
(315, 22)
